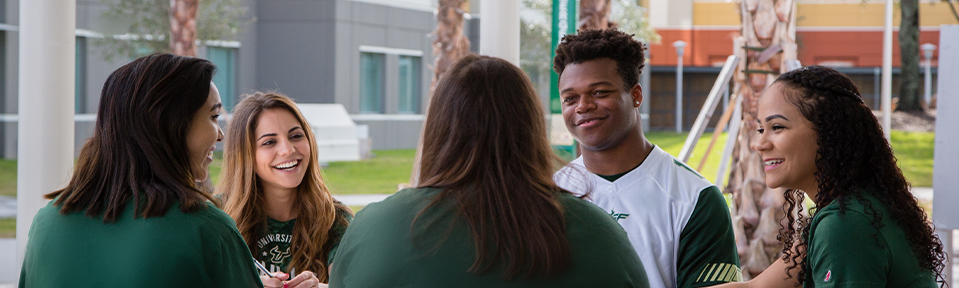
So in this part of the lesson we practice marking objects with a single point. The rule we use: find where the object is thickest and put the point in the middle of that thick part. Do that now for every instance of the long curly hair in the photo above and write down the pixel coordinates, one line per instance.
(853, 158)
(245, 200)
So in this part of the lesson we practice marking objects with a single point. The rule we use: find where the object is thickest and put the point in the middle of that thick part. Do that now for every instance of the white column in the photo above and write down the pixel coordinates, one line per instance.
(499, 29)
(680, 48)
(45, 128)
(887, 73)
(944, 199)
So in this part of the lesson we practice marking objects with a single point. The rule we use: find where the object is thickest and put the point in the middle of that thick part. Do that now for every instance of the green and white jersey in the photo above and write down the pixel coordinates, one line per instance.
(677, 221)
(846, 250)
(274, 251)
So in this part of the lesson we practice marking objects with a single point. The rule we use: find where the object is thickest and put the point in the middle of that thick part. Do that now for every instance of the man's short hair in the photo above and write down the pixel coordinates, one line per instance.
(607, 43)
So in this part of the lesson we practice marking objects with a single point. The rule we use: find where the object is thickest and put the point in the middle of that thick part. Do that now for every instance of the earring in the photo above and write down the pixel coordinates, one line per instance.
(637, 102)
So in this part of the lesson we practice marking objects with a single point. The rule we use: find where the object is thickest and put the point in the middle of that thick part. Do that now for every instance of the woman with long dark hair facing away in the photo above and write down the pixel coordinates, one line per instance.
(272, 187)
(819, 140)
(486, 212)
(134, 213)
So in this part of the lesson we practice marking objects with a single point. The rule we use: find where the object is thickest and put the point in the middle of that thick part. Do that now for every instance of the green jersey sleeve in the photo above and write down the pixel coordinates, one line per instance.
(707, 246)
(843, 252)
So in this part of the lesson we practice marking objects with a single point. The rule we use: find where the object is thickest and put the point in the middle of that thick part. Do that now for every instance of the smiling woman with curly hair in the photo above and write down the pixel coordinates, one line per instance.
(819, 140)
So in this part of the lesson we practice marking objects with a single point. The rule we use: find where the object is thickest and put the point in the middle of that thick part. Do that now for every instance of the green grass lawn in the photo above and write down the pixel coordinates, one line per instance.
(8, 177)
(914, 152)
(391, 167)
(379, 175)
(8, 227)
(382, 173)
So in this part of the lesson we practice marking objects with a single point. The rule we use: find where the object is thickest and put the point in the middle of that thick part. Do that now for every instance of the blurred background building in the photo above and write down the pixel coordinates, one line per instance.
(371, 56)
(375, 57)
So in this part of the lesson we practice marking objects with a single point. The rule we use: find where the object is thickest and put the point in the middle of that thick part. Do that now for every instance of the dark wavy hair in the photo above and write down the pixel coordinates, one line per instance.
(853, 158)
(607, 43)
(138, 151)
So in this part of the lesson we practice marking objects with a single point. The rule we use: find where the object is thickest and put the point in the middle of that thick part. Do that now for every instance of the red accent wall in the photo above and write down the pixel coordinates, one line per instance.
(860, 48)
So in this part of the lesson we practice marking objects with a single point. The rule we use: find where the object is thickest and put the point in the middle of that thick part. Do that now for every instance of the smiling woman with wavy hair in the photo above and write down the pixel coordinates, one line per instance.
(272, 186)
(818, 139)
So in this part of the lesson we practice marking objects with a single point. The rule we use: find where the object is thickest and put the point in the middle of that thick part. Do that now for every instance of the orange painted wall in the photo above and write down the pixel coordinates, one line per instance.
(862, 48)
(707, 47)
(702, 49)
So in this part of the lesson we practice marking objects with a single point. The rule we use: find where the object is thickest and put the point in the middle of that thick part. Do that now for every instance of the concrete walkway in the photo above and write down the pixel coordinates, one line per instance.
(360, 199)
(8, 207)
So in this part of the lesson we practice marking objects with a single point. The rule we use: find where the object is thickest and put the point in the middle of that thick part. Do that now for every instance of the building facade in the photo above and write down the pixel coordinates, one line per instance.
(843, 34)
(371, 56)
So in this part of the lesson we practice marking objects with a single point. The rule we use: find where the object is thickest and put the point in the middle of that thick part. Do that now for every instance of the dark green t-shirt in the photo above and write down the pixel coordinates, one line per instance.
(273, 248)
(199, 249)
(707, 246)
(843, 251)
(378, 250)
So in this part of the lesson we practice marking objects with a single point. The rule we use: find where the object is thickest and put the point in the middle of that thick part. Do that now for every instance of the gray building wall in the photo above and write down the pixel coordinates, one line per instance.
(307, 49)
(294, 48)
(363, 24)
(310, 50)
(9, 79)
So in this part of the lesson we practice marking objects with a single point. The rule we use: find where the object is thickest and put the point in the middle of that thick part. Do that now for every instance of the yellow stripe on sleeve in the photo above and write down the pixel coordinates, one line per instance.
(698, 279)
(720, 272)
(713, 267)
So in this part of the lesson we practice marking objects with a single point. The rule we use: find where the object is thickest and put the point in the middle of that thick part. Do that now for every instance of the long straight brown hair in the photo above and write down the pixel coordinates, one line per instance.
(485, 145)
(243, 192)
(139, 148)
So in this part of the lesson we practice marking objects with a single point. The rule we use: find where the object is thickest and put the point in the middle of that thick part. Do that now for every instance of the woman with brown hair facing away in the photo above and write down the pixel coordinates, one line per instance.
(272, 187)
(818, 139)
(486, 212)
(133, 214)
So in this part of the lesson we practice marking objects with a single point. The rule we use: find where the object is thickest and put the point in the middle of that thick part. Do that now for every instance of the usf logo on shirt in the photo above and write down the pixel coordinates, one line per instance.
(617, 216)
(273, 249)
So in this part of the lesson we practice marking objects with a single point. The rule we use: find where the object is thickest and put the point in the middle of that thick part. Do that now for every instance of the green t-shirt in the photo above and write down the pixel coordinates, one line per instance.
(199, 249)
(378, 250)
(273, 248)
(707, 246)
(844, 253)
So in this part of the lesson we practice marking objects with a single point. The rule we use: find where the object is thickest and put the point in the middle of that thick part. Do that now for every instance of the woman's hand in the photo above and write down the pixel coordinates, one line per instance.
(307, 279)
(270, 282)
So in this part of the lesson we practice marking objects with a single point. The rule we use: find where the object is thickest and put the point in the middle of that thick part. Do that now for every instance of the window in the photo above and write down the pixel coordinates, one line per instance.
(225, 77)
(409, 90)
(79, 77)
(371, 82)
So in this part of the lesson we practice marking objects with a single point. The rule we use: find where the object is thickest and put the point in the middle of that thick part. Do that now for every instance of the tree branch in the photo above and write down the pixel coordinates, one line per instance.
(953, 6)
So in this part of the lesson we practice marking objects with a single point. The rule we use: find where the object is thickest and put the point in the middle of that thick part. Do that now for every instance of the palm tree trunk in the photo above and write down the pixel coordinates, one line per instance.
(449, 43)
(768, 26)
(909, 99)
(183, 27)
(594, 14)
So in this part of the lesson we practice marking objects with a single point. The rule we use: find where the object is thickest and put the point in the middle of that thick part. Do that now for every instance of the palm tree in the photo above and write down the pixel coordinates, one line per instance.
(183, 27)
(449, 43)
(768, 40)
(594, 14)
(909, 56)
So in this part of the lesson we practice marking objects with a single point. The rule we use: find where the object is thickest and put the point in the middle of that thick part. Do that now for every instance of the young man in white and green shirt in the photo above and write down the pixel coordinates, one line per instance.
(676, 220)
